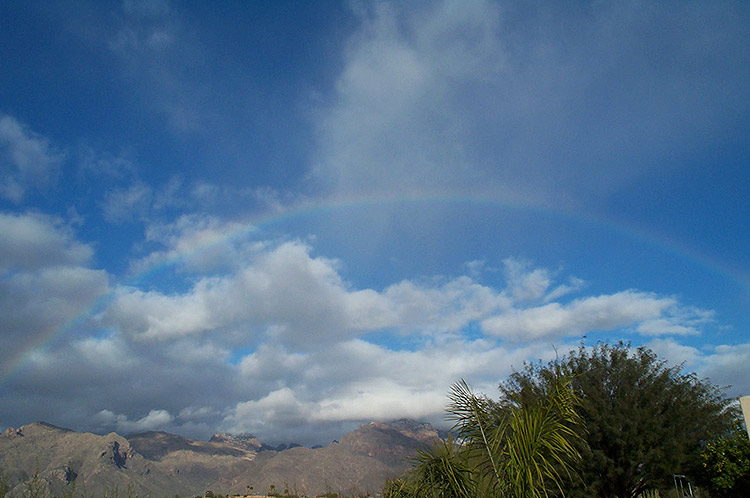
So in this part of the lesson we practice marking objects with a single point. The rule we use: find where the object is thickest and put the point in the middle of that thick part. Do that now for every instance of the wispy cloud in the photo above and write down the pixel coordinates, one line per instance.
(127, 204)
(27, 159)
(539, 104)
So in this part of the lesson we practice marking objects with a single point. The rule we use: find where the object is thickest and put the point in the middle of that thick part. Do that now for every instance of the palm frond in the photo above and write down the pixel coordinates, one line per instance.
(520, 448)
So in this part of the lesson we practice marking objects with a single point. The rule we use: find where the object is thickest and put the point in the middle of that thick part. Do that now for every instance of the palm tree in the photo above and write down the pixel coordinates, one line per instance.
(515, 448)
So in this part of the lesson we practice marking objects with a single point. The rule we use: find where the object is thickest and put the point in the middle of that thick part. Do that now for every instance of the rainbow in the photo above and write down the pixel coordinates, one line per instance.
(319, 208)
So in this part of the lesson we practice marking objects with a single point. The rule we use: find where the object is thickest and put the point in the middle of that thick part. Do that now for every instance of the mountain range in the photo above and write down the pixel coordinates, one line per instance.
(62, 462)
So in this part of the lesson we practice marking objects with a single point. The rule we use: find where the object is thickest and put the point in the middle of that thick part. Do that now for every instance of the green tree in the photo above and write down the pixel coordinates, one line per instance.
(644, 420)
(509, 448)
(726, 465)
(439, 472)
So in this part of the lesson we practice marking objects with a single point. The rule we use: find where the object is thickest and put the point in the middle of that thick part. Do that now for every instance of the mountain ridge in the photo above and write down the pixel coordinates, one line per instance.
(158, 463)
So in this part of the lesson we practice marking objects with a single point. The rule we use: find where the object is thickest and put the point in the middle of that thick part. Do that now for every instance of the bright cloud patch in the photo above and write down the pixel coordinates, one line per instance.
(45, 281)
(156, 419)
(310, 365)
(651, 315)
(278, 342)
(32, 241)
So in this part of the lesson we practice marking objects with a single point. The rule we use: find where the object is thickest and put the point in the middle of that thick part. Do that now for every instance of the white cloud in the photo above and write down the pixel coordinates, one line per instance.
(724, 365)
(44, 281)
(108, 420)
(199, 243)
(442, 306)
(674, 352)
(727, 365)
(283, 286)
(524, 283)
(35, 305)
(648, 313)
(280, 344)
(106, 353)
(32, 241)
(322, 389)
(153, 315)
(284, 293)
(280, 292)
(26, 159)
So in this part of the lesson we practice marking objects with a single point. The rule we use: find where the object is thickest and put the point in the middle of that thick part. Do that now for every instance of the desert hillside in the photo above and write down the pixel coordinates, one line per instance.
(162, 464)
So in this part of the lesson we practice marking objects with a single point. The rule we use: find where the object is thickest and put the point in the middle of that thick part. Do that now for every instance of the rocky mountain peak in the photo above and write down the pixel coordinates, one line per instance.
(390, 439)
(247, 442)
(11, 433)
(421, 431)
(116, 454)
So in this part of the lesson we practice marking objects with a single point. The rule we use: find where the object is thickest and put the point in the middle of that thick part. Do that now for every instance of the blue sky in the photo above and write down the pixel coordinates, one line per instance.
(289, 218)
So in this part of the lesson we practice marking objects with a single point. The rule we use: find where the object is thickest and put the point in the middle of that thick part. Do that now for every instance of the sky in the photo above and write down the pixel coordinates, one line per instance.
(290, 218)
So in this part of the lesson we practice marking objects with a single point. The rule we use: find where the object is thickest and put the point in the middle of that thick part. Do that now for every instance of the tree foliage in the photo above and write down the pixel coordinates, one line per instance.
(509, 448)
(725, 465)
(644, 420)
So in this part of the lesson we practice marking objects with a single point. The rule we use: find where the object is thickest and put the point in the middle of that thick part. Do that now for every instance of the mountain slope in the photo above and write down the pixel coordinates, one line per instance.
(162, 464)
(61, 457)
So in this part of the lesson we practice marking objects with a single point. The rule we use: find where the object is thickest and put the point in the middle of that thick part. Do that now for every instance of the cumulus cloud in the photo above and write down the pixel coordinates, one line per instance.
(31, 241)
(45, 281)
(305, 327)
(319, 391)
(281, 292)
(199, 243)
(284, 293)
(525, 284)
(27, 159)
(650, 314)
(726, 365)
(279, 343)
(440, 306)
(674, 352)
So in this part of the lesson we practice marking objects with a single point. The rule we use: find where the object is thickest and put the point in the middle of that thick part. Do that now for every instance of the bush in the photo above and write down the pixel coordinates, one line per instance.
(726, 465)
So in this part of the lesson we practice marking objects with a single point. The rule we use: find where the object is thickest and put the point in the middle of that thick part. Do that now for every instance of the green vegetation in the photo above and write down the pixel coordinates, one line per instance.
(726, 465)
(608, 421)
(512, 448)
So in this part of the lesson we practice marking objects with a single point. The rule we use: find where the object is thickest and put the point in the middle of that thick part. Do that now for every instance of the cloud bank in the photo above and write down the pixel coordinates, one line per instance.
(281, 345)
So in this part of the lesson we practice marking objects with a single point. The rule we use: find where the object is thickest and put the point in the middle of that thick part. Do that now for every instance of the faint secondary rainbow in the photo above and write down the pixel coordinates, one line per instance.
(312, 208)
